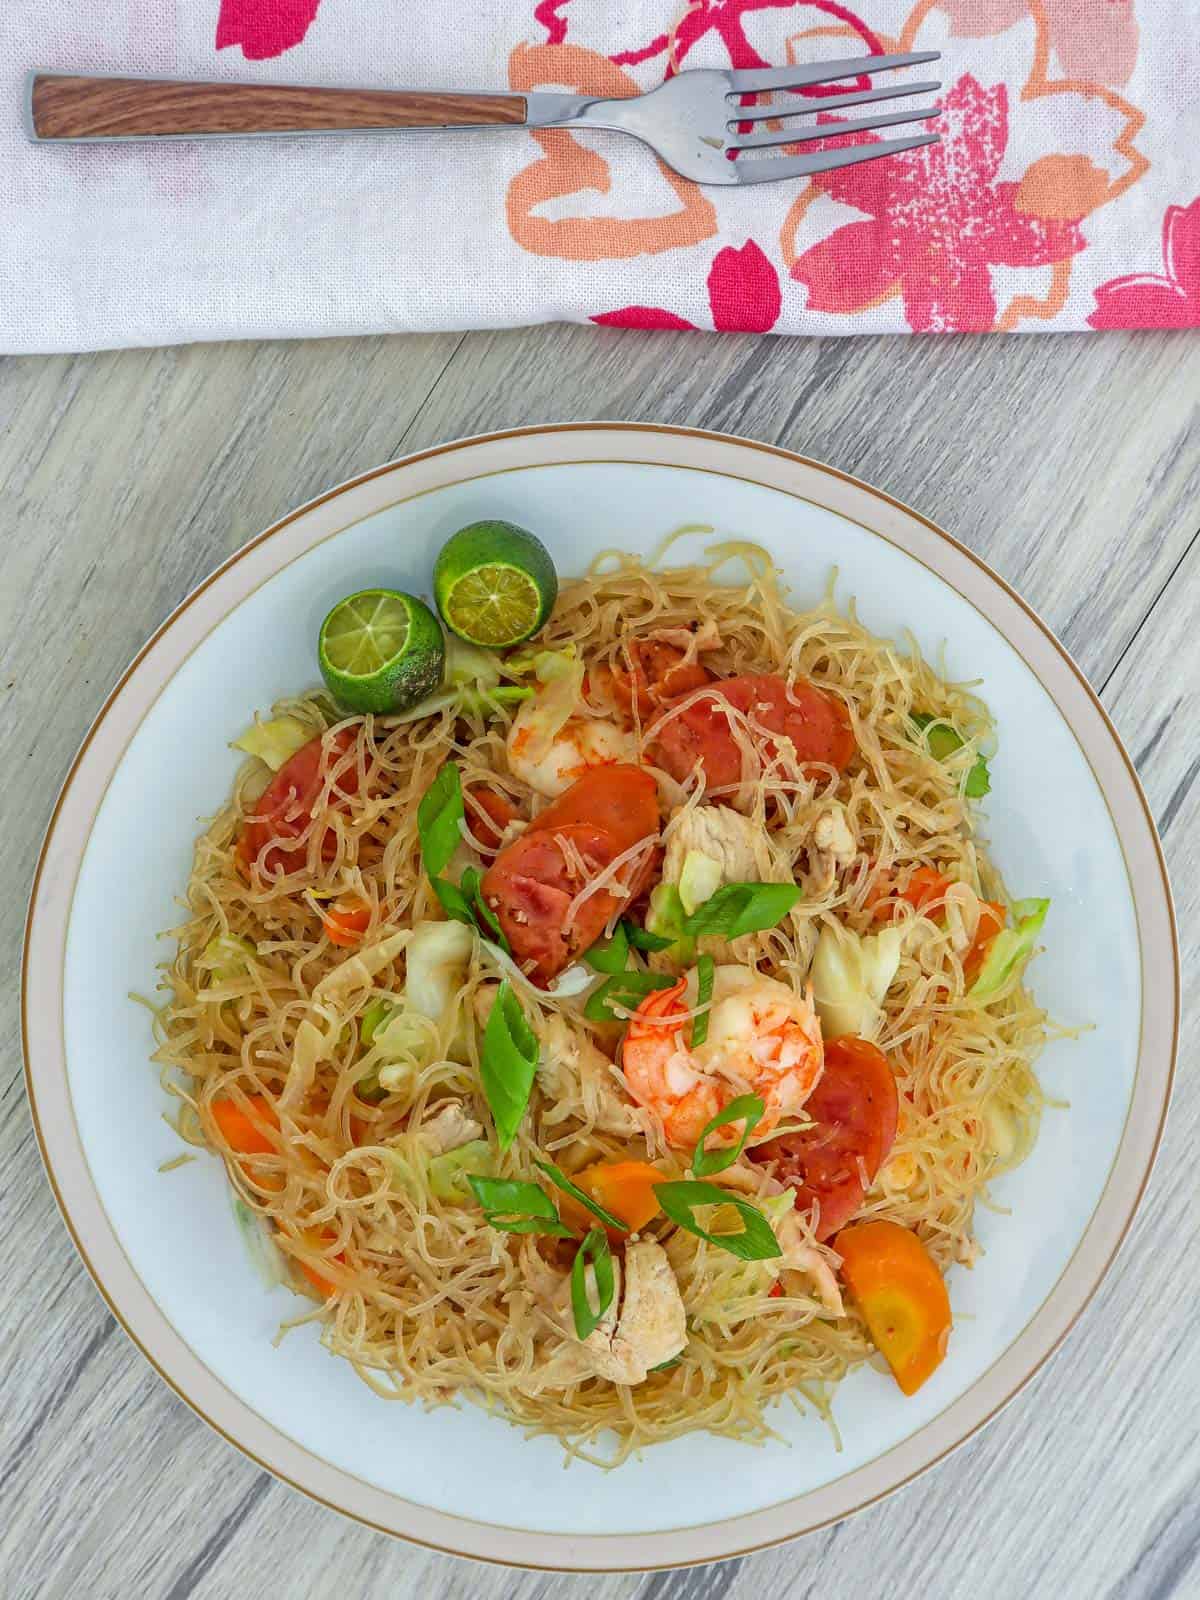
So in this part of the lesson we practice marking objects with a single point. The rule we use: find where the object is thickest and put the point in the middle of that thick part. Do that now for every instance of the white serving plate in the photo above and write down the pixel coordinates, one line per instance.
(1066, 818)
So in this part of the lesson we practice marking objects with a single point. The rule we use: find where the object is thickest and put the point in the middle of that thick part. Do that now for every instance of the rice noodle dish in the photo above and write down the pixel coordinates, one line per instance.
(601, 997)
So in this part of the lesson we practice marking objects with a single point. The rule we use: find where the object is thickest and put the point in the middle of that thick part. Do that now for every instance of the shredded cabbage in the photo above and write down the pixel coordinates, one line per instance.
(699, 879)
(448, 1173)
(227, 956)
(1010, 948)
(850, 976)
(276, 741)
(435, 967)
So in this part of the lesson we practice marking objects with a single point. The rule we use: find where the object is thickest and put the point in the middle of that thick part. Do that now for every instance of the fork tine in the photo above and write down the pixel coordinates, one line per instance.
(826, 130)
(766, 169)
(832, 102)
(798, 77)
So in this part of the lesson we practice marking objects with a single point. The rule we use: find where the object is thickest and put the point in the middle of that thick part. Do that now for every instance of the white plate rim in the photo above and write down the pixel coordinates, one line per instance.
(366, 494)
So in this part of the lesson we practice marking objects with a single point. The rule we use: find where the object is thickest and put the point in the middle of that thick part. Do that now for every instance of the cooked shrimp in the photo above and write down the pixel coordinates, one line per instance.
(763, 1038)
(549, 751)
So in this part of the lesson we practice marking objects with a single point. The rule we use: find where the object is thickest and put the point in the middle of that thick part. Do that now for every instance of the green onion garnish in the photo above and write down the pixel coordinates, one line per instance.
(438, 817)
(507, 1064)
(627, 990)
(705, 1162)
(594, 1249)
(512, 1206)
(561, 1181)
(609, 955)
(942, 739)
(705, 975)
(740, 908)
(756, 1242)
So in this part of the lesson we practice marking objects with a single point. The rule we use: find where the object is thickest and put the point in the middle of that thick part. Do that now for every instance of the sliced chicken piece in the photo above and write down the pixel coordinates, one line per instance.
(483, 1000)
(651, 1326)
(573, 1072)
(450, 1127)
(743, 851)
(741, 846)
(832, 848)
(810, 1262)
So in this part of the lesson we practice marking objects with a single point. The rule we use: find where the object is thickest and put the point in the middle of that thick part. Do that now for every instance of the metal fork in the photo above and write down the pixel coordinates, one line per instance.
(691, 120)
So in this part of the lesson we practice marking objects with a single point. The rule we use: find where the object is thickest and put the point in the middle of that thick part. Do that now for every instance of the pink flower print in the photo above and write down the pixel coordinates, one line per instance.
(743, 296)
(264, 27)
(641, 317)
(939, 219)
(1096, 40)
(743, 291)
(1148, 300)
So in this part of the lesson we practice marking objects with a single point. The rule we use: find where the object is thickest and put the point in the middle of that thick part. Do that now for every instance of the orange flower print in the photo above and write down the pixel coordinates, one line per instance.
(568, 168)
(1093, 39)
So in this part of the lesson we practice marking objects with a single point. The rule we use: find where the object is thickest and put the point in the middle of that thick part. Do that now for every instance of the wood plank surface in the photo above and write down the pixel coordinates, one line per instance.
(1069, 463)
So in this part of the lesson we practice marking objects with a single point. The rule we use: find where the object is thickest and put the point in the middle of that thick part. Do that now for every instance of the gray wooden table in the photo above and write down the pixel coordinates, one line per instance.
(1072, 464)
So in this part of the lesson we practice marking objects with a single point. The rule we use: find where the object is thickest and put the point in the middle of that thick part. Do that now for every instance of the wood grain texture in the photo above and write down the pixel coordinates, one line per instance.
(76, 107)
(1070, 464)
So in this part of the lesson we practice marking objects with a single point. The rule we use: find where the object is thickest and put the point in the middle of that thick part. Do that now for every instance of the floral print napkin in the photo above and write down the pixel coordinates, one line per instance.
(1065, 193)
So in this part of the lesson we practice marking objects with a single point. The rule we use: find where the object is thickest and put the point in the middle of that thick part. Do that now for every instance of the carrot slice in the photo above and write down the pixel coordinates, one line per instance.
(346, 920)
(901, 1295)
(925, 886)
(626, 1188)
(992, 917)
(246, 1132)
(323, 1285)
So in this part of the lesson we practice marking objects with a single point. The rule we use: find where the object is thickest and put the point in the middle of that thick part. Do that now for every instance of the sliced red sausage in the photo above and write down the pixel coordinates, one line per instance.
(817, 724)
(532, 882)
(284, 809)
(498, 811)
(854, 1111)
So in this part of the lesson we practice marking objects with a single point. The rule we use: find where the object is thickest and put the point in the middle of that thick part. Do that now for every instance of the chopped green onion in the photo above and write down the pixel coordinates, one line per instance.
(438, 817)
(372, 1019)
(609, 955)
(507, 1064)
(1009, 947)
(705, 974)
(465, 903)
(705, 1162)
(741, 908)
(627, 990)
(561, 1181)
(643, 939)
(485, 917)
(454, 902)
(756, 1242)
(665, 920)
(449, 1173)
(665, 1366)
(513, 1206)
(942, 739)
(594, 1249)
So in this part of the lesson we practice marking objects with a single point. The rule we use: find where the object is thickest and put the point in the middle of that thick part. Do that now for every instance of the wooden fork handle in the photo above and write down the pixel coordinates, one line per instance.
(65, 106)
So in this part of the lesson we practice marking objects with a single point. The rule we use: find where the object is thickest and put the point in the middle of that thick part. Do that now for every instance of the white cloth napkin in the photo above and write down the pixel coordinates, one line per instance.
(1065, 194)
